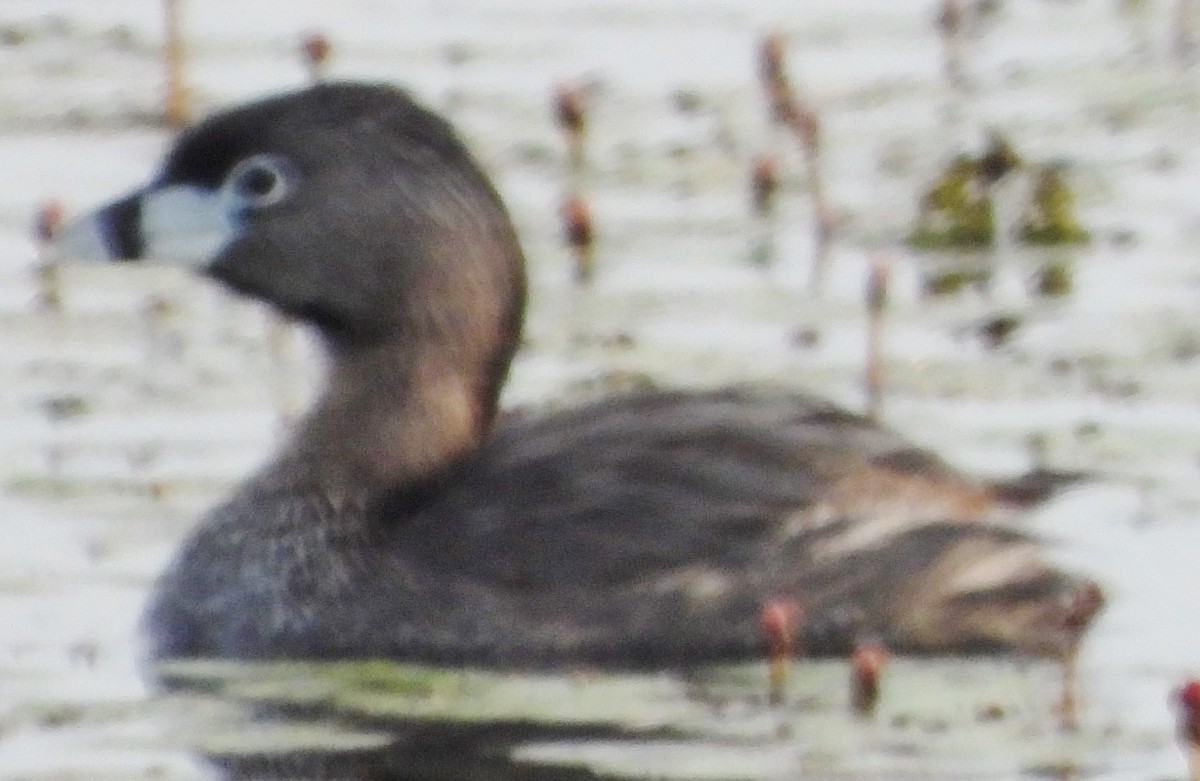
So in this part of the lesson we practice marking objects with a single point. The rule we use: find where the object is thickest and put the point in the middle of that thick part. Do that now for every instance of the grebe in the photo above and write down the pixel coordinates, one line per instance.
(405, 519)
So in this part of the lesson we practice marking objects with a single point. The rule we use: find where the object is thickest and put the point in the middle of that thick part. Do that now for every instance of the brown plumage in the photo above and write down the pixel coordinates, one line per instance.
(405, 518)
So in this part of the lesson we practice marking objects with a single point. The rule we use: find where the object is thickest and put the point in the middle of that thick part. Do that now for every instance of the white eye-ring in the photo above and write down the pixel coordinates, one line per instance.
(258, 182)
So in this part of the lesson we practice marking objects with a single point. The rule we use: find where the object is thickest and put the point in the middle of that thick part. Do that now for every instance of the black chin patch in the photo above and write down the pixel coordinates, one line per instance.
(325, 319)
(121, 226)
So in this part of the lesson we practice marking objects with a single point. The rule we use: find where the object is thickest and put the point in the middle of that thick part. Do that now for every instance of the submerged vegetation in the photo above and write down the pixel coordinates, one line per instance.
(1054, 279)
(957, 210)
(945, 282)
(1050, 218)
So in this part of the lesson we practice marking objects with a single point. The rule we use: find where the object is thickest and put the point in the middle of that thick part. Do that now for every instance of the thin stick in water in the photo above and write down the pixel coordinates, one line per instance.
(866, 670)
(177, 111)
(764, 186)
(579, 236)
(877, 284)
(315, 49)
(46, 225)
(780, 619)
(951, 23)
(570, 113)
(1187, 701)
(1185, 39)
(1077, 616)
(772, 74)
(764, 190)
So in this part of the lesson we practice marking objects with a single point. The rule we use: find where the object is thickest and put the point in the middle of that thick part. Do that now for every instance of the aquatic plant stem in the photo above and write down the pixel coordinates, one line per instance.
(877, 283)
(1187, 701)
(177, 108)
(1068, 707)
(764, 190)
(1185, 39)
(801, 119)
(779, 619)
(866, 668)
(950, 23)
(47, 223)
(579, 236)
(315, 49)
(1081, 608)
(570, 112)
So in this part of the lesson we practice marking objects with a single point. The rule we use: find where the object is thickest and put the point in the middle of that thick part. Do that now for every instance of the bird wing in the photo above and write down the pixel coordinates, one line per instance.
(658, 525)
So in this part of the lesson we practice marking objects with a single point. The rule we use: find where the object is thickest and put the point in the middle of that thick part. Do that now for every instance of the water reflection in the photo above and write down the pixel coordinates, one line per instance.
(373, 720)
(436, 752)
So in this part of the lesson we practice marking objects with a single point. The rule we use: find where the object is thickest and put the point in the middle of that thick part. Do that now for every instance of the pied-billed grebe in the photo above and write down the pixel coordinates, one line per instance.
(403, 520)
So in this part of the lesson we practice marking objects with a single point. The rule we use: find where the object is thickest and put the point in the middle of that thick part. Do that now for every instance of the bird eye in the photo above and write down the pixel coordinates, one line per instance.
(258, 182)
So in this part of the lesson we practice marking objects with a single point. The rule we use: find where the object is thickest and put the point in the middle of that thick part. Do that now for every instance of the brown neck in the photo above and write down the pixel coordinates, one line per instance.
(390, 416)
(405, 403)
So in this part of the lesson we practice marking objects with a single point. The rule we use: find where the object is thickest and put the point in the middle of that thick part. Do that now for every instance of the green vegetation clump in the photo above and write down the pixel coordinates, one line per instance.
(1050, 219)
(999, 330)
(1054, 279)
(999, 158)
(401, 680)
(956, 212)
(950, 281)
